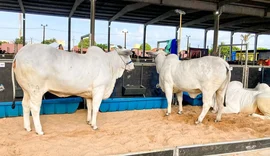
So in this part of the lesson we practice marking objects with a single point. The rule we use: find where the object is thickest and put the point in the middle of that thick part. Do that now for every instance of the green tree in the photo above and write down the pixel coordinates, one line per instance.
(1, 42)
(147, 46)
(210, 50)
(235, 48)
(261, 48)
(85, 43)
(49, 41)
(225, 50)
(103, 46)
(19, 40)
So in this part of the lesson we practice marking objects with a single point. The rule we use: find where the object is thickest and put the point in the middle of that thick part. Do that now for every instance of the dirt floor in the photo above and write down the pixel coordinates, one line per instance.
(124, 132)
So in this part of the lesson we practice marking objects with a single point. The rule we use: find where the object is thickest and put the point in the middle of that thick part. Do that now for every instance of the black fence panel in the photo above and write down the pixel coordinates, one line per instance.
(237, 74)
(254, 77)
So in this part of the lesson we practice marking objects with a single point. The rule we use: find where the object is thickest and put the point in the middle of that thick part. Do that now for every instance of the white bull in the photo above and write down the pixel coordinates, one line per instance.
(207, 75)
(40, 68)
(239, 99)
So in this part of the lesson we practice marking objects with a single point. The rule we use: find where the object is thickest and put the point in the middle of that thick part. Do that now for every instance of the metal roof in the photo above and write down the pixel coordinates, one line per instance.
(237, 15)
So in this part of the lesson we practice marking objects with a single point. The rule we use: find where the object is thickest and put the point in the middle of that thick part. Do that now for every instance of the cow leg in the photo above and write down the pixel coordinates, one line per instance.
(207, 103)
(220, 100)
(180, 100)
(169, 94)
(89, 110)
(260, 116)
(215, 106)
(35, 103)
(97, 98)
(26, 111)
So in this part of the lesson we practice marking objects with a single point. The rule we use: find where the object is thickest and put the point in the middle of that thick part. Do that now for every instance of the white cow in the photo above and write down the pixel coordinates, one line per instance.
(207, 75)
(239, 99)
(40, 68)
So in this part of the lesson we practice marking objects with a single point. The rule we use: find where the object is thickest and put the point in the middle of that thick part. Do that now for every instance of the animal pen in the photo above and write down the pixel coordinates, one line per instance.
(133, 117)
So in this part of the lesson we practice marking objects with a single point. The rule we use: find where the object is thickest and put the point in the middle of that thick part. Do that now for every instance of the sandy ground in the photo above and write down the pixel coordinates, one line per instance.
(124, 132)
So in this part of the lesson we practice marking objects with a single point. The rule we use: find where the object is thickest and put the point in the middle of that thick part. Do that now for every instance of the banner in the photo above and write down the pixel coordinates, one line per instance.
(197, 52)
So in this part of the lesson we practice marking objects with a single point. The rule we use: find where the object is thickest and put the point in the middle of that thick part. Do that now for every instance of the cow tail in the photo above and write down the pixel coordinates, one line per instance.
(13, 83)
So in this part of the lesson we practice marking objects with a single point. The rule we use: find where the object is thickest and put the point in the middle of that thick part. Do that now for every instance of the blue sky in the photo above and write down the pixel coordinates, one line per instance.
(58, 27)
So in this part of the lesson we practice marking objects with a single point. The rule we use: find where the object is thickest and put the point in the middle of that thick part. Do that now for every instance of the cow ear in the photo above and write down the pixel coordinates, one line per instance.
(124, 52)
(153, 54)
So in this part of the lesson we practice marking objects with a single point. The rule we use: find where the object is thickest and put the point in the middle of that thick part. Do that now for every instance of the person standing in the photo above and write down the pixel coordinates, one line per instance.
(60, 47)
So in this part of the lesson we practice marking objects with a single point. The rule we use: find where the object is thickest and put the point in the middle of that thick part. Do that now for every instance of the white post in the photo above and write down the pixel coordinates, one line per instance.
(180, 12)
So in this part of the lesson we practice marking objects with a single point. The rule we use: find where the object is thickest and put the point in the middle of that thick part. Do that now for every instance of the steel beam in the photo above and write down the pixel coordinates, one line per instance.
(226, 2)
(75, 5)
(46, 9)
(267, 32)
(127, 9)
(231, 45)
(92, 31)
(210, 6)
(199, 20)
(144, 39)
(23, 29)
(215, 41)
(23, 11)
(162, 17)
(208, 17)
(21, 6)
(109, 36)
(69, 33)
(248, 20)
(84, 36)
(176, 33)
(255, 47)
(205, 38)
(252, 28)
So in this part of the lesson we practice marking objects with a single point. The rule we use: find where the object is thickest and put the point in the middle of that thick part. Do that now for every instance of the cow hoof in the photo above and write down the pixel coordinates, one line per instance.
(214, 111)
(197, 122)
(95, 127)
(179, 112)
(40, 133)
(88, 122)
(217, 120)
(167, 114)
(28, 129)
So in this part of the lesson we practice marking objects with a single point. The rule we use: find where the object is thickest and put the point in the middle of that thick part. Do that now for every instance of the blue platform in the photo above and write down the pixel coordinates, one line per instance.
(193, 101)
(50, 106)
(70, 105)
(123, 104)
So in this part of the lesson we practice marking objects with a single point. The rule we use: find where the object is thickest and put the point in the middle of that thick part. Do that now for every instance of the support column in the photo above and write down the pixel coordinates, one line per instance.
(23, 29)
(92, 32)
(69, 33)
(255, 47)
(246, 68)
(179, 36)
(205, 38)
(180, 12)
(109, 36)
(176, 36)
(231, 46)
(176, 33)
(216, 29)
(144, 39)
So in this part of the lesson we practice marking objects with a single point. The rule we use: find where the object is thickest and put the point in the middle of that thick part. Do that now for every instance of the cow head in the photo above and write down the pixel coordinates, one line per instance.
(159, 56)
(127, 63)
